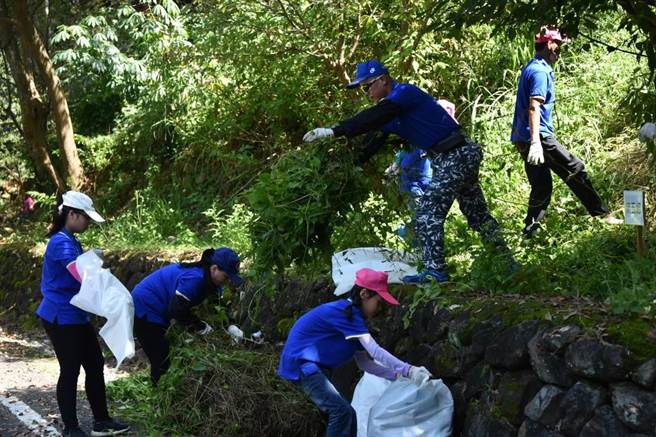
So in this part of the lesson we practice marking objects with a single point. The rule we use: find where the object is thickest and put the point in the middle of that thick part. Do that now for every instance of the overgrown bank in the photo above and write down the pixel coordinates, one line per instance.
(230, 390)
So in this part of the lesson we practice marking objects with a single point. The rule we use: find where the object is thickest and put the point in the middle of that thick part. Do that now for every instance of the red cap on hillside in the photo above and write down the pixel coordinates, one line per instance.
(375, 281)
(549, 33)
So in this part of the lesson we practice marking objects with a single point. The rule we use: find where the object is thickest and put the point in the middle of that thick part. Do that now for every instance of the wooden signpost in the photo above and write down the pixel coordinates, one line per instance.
(634, 214)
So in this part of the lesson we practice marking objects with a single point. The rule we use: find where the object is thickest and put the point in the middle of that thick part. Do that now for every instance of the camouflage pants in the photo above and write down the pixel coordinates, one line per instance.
(455, 176)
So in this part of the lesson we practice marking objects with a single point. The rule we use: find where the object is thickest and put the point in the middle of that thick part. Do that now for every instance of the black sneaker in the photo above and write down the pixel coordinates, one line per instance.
(74, 432)
(109, 427)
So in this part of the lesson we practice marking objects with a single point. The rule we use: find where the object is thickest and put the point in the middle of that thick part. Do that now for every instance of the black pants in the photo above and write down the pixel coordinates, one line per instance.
(75, 346)
(152, 338)
(569, 168)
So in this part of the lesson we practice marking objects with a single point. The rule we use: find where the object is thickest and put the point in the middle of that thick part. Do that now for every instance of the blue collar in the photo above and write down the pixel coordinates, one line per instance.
(394, 85)
(67, 233)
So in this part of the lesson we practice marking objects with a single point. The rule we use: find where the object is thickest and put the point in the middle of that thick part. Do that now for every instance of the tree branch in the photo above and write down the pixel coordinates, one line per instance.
(10, 100)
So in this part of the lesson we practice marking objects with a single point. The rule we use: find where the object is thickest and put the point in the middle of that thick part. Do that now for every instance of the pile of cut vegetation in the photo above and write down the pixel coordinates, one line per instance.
(216, 388)
(298, 202)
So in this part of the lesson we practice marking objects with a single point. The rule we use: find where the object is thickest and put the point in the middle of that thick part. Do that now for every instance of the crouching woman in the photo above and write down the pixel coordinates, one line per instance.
(333, 333)
(170, 293)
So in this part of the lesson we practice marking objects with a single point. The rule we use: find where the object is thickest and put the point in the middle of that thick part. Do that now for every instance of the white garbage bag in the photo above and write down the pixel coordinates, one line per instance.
(103, 294)
(395, 263)
(648, 132)
(402, 409)
(369, 389)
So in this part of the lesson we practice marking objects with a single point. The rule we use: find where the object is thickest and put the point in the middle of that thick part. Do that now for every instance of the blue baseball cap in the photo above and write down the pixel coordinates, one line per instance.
(228, 261)
(367, 70)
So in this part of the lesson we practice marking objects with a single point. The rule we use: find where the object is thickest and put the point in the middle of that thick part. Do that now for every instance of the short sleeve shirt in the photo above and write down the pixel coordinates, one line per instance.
(422, 122)
(536, 80)
(154, 294)
(322, 338)
(58, 286)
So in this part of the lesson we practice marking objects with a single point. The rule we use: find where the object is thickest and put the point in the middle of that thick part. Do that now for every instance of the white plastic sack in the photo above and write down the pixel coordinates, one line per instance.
(648, 132)
(395, 263)
(369, 389)
(103, 294)
(403, 409)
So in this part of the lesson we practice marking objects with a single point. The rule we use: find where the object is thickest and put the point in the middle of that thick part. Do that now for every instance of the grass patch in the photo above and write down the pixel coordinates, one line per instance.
(216, 388)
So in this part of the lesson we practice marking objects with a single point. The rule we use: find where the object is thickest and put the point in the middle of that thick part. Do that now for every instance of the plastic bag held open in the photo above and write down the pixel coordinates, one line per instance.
(402, 409)
(103, 294)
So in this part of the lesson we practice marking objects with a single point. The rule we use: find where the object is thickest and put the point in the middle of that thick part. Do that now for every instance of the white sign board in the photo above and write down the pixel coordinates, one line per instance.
(634, 208)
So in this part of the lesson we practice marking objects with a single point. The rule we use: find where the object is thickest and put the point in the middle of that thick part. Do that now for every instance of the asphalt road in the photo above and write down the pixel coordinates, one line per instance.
(28, 379)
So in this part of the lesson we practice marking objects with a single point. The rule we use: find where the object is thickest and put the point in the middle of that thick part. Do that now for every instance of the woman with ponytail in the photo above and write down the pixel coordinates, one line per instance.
(170, 293)
(330, 335)
(68, 327)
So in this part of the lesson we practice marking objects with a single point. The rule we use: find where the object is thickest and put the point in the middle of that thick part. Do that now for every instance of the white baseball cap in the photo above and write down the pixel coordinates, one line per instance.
(77, 200)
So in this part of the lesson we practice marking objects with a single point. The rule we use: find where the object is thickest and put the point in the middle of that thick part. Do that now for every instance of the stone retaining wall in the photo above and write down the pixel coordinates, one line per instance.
(531, 378)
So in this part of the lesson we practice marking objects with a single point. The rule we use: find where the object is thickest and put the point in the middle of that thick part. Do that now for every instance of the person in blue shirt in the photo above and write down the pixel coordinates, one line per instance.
(332, 334)
(534, 136)
(412, 114)
(68, 327)
(170, 293)
(415, 173)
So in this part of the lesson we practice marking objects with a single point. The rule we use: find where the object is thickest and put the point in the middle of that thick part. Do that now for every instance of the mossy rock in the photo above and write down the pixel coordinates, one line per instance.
(635, 335)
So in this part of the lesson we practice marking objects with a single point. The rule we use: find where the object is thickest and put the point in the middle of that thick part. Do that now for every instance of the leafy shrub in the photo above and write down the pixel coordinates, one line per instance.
(231, 230)
(152, 221)
(297, 203)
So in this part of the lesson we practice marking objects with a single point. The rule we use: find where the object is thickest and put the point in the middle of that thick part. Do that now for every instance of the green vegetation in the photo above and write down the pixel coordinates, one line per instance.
(189, 123)
(215, 388)
(188, 120)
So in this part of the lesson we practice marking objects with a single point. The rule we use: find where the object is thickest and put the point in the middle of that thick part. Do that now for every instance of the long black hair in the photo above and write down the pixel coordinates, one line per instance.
(205, 262)
(59, 219)
(356, 300)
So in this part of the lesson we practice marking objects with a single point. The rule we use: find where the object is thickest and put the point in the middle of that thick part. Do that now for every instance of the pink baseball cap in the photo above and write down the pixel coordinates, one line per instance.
(375, 281)
(549, 33)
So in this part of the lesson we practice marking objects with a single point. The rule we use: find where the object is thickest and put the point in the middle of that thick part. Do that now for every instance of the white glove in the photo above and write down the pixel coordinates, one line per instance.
(535, 154)
(98, 252)
(648, 132)
(392, 170)
(419, 375)
(315, 134)
(206, 330)
(236, 333)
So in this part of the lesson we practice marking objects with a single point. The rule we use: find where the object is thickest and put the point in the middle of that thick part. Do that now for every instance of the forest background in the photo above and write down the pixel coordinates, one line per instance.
(183, 120)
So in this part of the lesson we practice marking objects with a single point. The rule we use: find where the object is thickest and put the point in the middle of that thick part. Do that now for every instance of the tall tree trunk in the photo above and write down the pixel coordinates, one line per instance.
(34, 113)
(33, 44)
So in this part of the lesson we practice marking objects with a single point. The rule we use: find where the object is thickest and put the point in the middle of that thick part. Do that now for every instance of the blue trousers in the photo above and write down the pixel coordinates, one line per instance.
(342, 421)
(455, 176)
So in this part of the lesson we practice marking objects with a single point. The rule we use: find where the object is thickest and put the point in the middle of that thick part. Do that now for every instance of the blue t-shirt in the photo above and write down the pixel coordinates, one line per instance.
(58, 286)
(153, 295)
(416, 172)
(322, 337)
(537, 80)
(423, 122)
